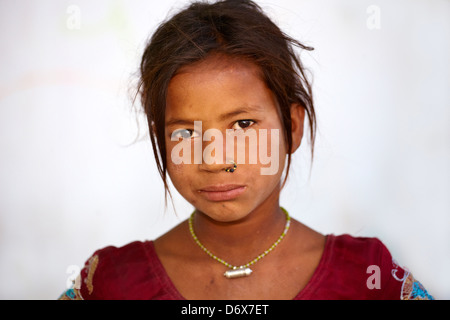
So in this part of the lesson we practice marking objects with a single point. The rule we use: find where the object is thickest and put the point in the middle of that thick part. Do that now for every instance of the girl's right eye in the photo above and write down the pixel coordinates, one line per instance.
(184, 133)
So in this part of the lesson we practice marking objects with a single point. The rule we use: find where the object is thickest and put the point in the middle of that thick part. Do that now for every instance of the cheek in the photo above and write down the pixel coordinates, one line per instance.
(178, 176)
(182, 176)
(271, 151)
(175, 171)
(175, 168)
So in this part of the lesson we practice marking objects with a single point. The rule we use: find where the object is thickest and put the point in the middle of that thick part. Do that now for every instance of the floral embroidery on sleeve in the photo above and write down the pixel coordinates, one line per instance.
(71, 294)
(411, 288)
(92, 266)
(74, 293)
(414, 290)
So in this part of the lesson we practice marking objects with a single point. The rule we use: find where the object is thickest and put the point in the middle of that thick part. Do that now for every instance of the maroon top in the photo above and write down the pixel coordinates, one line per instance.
(350, 268)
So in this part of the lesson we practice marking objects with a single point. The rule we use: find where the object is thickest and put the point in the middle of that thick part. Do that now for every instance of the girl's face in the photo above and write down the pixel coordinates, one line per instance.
(224, 93)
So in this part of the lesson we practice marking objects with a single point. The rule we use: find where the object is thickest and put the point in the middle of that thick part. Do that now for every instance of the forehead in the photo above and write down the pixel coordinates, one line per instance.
(214, 86)
(220, 63)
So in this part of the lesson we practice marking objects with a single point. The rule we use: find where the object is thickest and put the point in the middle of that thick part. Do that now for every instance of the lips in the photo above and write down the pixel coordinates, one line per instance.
(222, 192)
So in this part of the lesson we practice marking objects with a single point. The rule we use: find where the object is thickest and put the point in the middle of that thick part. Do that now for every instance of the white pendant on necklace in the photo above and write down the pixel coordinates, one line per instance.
(237, 273)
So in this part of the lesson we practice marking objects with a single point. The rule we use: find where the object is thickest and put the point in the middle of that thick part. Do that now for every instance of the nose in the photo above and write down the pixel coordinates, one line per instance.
(212, 167)
(215, 158)
(215, 161)
(228, 166)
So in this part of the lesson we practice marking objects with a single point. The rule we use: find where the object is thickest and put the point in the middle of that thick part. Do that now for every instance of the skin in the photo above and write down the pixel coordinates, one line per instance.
(239, 229)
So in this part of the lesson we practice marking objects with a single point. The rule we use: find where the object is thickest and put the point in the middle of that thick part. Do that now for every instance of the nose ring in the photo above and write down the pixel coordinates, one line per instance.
(233, 168)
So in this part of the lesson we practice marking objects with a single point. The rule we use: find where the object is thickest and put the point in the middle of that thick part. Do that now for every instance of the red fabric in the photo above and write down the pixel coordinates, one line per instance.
(343, 271)
(135, 272)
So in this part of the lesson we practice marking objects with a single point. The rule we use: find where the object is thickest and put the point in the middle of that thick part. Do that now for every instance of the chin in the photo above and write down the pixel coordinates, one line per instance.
(224, 211)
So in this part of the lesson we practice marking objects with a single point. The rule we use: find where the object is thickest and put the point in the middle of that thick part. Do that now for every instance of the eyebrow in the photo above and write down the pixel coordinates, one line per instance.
(225, 116)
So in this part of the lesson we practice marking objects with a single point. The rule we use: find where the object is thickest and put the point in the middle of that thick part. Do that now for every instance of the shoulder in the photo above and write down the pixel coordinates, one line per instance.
(128, 272)
(133, 271)
(359, 250)
(363, 268)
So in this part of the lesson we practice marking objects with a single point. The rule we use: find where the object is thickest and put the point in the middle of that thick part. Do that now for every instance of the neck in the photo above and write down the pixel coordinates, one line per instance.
(243, 239)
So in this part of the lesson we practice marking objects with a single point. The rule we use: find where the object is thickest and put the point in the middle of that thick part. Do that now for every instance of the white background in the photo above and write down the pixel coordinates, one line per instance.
(73, 180)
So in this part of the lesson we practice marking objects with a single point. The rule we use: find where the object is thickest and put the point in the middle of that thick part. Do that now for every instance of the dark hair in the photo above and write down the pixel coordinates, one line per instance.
(236, 28)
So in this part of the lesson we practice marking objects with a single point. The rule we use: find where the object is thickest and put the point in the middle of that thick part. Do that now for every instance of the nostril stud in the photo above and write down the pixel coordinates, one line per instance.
(231, 169)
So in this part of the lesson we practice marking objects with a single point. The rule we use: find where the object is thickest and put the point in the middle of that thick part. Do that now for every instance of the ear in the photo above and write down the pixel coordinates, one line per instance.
(297, 123)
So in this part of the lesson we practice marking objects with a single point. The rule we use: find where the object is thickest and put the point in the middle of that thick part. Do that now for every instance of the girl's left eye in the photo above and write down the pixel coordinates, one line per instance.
(242, 124)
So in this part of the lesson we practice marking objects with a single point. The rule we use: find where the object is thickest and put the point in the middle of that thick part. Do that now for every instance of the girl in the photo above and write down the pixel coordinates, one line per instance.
(228, 67)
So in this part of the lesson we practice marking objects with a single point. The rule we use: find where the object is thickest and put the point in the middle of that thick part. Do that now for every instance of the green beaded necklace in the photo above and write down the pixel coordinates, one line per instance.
(243, 270)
